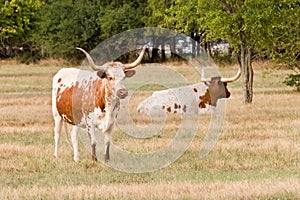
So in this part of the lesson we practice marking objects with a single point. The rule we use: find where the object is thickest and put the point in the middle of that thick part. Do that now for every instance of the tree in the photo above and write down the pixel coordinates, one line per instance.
(183, 16)
(220, 19)
(16, 24)
(67, 24)
(226, 19)
(278, 21)
(155, 13)
(248, 25)
(64, 25)
(119, 16)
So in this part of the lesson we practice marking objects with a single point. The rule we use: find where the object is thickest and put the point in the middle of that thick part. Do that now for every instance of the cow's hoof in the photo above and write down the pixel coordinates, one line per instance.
(106, 158)
(94, 158)
(76, 159)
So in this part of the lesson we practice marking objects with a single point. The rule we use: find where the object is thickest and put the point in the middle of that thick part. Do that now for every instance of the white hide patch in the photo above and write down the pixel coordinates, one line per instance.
(182, 100)
(67, 77)
(104, 120)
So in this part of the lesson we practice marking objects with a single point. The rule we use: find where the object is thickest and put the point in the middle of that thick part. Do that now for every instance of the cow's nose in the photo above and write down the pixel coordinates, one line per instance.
(122, 93)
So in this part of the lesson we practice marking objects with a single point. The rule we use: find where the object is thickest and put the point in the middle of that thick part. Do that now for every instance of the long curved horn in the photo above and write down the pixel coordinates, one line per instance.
(224, 80)
(231, 79)
(137, 61)
(90, 61)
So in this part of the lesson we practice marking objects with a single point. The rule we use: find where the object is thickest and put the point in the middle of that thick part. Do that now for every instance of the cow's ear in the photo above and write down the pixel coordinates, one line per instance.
(101, 74)
(129, 73)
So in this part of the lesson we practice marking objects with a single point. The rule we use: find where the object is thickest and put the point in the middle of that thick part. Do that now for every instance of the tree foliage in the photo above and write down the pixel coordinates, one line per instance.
(155, 12)
(53, 28)
(16, 23)
(275, 29)
(293, 80)
(64, 25)
(265, 28)
(67, 24)
(119, 16)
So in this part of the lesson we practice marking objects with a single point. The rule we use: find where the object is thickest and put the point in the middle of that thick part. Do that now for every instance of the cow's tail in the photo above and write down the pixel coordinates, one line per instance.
(68, 132)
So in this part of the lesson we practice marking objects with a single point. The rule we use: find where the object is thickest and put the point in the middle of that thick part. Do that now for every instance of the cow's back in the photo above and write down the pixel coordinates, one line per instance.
(182, 100)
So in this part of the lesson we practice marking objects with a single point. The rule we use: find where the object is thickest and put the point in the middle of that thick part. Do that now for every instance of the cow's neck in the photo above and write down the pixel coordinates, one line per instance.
(103, 95)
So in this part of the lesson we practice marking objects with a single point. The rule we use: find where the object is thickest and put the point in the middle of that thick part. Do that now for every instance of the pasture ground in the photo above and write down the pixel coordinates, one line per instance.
(257, 154)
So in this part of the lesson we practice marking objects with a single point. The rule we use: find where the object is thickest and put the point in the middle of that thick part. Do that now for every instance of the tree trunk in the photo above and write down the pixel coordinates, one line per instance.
(247, 73)
(173, 48)
(155, 55)
(163, 51)
(209, 48)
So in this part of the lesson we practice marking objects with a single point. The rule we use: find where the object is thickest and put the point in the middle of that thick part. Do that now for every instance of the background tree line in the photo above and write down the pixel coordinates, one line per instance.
(53, 28)
(36, 29)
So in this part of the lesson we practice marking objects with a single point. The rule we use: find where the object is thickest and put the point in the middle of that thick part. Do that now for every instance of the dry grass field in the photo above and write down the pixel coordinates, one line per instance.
(256, 157)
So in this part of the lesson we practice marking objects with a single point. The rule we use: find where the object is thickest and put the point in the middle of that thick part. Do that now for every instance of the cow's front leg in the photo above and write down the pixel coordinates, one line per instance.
(106, 147)
(91, 132)
(107, 137)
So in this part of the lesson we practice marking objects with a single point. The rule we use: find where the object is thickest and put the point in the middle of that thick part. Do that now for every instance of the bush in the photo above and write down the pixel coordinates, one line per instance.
(293, 80)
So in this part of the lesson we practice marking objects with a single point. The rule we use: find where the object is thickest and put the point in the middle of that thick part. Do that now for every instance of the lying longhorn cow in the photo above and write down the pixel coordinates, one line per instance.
(193, 99)
(89, 99)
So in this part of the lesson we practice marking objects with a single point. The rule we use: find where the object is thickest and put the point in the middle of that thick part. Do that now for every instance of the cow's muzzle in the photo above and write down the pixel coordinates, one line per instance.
(122, 93)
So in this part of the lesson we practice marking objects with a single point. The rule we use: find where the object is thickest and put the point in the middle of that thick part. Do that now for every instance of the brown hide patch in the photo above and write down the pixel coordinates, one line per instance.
(184, 108)
(100, 96)
(67, 104)
(205, 99)
(59, 80)
(75, 102)
(169, 109)
(176, 105)
(202, 105)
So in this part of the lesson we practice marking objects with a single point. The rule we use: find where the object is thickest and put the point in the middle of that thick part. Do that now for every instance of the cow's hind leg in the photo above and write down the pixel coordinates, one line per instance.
(57, 130)
(74, 137)
(94, 156)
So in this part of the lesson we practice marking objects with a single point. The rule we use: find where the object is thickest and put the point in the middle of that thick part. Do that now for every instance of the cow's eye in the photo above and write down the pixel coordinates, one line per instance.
(110, 78)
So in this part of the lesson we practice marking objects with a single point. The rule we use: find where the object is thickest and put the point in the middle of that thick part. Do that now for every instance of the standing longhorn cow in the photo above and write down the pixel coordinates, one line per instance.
(193, 99)
(89, 100)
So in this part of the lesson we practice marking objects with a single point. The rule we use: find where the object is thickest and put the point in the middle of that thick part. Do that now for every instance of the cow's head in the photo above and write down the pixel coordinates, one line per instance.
(217, 87)
(115, 73)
